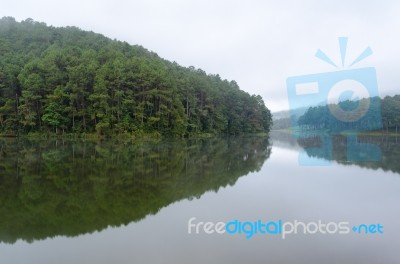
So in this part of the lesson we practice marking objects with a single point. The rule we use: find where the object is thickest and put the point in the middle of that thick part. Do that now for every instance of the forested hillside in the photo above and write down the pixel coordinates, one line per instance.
(65, 80)
(383, 114)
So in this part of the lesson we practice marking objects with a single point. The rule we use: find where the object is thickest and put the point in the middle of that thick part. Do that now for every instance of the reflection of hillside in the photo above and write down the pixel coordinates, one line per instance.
(321, 146)
(69, 188)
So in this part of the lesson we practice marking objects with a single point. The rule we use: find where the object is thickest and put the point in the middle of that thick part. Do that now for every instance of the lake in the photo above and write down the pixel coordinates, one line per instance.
(77, 201)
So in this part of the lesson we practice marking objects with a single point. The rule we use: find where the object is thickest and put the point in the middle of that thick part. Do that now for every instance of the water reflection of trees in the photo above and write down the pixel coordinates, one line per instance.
(50, 188)
(339, 147)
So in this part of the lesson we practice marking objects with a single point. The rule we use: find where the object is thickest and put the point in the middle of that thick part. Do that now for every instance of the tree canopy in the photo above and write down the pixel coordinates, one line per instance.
(382, 114)
(70, 80)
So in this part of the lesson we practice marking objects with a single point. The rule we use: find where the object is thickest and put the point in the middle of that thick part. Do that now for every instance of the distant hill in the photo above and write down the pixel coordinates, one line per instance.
(287, 113)
(380, 114)
(67, 80)
(285, 119)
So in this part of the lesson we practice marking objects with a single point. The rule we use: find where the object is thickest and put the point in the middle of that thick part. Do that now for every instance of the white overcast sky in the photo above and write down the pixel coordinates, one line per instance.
(258, 43)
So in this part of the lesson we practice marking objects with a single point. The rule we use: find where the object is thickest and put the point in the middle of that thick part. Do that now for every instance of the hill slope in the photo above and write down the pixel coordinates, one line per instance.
(69, 80)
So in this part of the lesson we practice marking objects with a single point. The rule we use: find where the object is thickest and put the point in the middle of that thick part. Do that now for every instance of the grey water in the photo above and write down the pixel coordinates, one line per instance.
(77, 201)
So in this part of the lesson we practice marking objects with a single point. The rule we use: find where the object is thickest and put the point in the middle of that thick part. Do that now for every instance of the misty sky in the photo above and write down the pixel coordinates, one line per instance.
(257, 43)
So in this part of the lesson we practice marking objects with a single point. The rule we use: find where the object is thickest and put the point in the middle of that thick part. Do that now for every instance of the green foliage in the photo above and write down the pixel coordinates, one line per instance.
(52, 116)
(391, 112)
(388, 115)
(82, 82)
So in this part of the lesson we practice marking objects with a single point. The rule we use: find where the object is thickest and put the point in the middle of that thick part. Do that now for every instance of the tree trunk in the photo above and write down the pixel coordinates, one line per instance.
(83, 114)
(187, 106)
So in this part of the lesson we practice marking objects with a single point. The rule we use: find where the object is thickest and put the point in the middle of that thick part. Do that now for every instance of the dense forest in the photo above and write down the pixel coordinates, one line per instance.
(382, 114)
(65, 80)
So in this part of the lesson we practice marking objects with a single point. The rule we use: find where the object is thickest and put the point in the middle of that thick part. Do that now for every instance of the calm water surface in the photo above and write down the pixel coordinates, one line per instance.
(108, 202)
